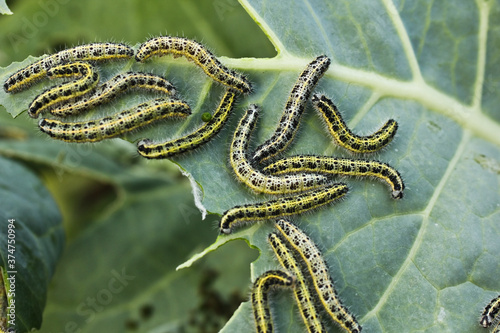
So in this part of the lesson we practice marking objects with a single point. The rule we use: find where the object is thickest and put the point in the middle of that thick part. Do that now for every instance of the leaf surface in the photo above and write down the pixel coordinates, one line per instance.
(31, 243)
(429, 261)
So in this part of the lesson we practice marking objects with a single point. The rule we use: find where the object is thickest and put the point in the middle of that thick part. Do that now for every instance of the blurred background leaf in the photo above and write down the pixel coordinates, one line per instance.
(31, 244)
(133, 215)
(46, 26)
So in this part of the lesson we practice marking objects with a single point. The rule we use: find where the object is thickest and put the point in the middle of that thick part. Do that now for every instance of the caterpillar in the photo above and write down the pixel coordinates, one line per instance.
(318, 270)
(260, 302)
(197, 53)
(25, 77)
(67, 91)
(294, 109)
(253, 178)
(302, 293)
(112, 88)
(344, 136)
(285, 206)
(112, 126)
(491, 312)
(148, 149)
(340, 166)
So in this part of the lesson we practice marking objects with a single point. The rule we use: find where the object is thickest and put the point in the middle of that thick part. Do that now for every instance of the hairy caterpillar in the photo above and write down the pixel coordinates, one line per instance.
(322, 282)
(168, 149)
(25, 77)
(260, 299)
(196, 52)
(112, 126)
(294, 109)
(491, 312)
(67, 91)
(252, 177)
(286, 206)
(303, 297)
(109, 90)
(344, 136)
(340, 166)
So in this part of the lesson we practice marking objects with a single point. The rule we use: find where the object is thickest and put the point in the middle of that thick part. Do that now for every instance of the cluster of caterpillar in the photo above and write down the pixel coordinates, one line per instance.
(302, 179)
(302, 176)
(83, 93)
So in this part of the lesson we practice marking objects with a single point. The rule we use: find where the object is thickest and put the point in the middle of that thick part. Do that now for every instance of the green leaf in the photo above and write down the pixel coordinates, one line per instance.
(4, 9)
(122, 268)
(31, 243)
(428, 262)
